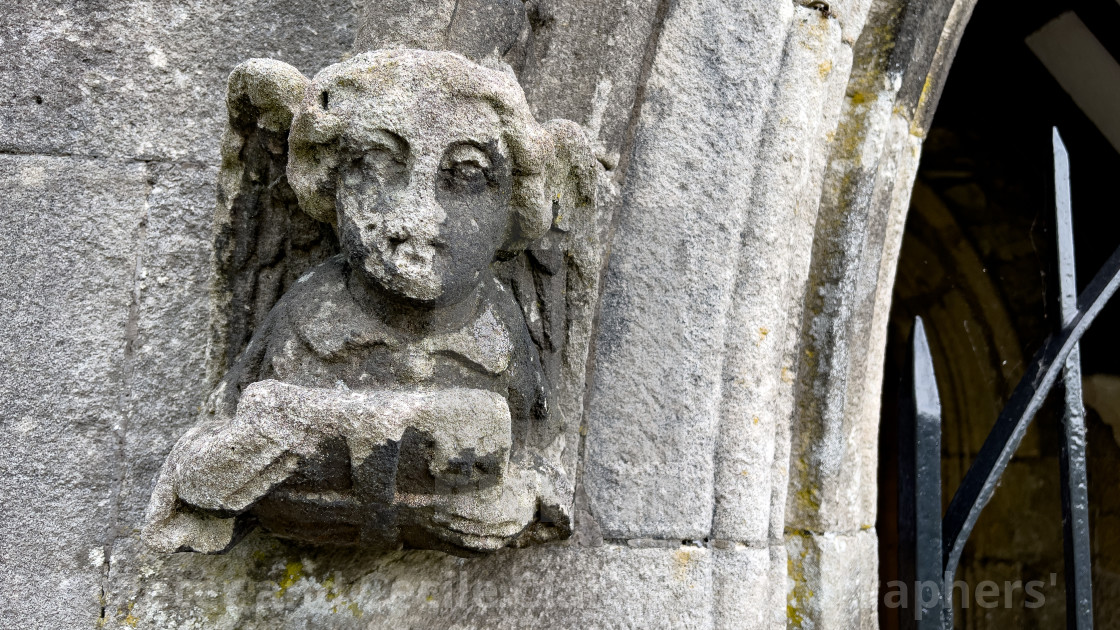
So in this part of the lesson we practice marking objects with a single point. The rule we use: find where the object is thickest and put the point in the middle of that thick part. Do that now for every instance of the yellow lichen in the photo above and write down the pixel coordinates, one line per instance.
(786, 376)
(800, 592)
(825, 69)
(807, 494)
(354, 610)
(293, 573)
(683, 558)
(793, 615)
(927, 93)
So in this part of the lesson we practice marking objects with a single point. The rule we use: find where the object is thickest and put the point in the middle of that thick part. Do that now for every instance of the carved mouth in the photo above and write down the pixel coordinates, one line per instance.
(407, 266)
(412, 254)
(415, 273)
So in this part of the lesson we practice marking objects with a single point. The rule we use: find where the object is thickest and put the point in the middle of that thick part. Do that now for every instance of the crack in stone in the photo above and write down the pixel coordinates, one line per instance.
(451, 24)
(631, 132)
(705, 543)
(125, 404)
(794, 531)
(127, 159)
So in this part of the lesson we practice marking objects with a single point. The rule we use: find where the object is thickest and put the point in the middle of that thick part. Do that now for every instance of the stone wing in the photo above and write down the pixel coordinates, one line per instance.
(263, 242)
(556, 282)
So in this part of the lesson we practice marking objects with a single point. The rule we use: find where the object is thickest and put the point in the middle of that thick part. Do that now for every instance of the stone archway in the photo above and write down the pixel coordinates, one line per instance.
(757, 161)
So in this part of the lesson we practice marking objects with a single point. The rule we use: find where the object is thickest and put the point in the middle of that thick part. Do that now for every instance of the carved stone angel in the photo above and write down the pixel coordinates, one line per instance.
(420, 388)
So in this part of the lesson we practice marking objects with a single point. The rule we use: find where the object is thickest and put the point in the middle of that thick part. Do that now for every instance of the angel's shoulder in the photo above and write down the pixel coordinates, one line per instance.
(324, 281)
(323, 288)
(321, 311)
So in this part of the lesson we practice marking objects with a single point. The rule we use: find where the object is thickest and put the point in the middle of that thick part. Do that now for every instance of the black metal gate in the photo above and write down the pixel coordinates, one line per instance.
(930, 546)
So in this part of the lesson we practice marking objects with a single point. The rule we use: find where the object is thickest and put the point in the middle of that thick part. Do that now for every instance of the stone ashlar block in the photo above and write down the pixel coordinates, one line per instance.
(654, 409)
(146, 78)
(68, 249)
(834, 580)
(267, 583)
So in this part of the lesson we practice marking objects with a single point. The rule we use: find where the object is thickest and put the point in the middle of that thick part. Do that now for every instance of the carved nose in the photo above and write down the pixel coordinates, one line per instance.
(421, 210)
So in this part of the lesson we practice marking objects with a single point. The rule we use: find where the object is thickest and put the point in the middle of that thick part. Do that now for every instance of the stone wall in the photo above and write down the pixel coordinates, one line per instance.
(112, 115)
(758, 158)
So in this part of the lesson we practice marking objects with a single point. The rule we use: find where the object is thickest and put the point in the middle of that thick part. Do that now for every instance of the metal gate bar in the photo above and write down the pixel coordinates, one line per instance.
(919, 485)
(1075, 482)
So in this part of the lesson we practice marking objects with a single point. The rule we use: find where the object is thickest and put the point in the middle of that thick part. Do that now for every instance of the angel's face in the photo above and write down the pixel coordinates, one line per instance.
(424, 197)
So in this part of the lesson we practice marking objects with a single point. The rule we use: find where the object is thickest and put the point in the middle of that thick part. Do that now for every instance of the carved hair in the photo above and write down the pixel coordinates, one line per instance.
(318, 126)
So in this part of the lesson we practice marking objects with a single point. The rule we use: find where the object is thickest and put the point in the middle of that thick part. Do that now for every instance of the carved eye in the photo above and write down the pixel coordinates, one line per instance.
(378, 157)
(391, 142)
(466, 164)
(359, 142)
(383, 158)
(467, 170)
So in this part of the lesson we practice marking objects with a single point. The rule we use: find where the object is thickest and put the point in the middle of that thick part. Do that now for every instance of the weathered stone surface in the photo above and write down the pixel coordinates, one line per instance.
(475, 28)
(547, 43)
(168, 378)
(865, 194)
(265, 584)
(801, 258)
(395, 395)
(850, 14)
(68, 256)
(113, 78)
(655, 401)
(562, 80)
(762, 318)
(829, 471)
(940, 59)
(741, 579)
(144, 79)
(897, 169)
(834, 459)
(279, 427)
(778, 585)
(835, 581)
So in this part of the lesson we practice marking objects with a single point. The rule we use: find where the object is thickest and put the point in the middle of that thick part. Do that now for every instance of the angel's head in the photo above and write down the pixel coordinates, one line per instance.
(431, 167)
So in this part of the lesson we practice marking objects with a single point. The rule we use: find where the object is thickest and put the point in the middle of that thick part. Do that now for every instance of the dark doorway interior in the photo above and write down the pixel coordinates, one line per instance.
(978, 263)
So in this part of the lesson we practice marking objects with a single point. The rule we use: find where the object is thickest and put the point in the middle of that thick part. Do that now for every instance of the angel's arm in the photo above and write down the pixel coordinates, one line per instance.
(184, 512)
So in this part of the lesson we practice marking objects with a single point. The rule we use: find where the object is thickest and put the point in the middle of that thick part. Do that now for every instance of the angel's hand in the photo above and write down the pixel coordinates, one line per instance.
(453, 437)
(480, 520)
